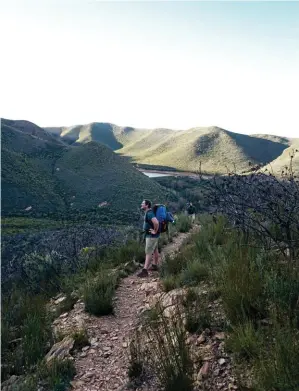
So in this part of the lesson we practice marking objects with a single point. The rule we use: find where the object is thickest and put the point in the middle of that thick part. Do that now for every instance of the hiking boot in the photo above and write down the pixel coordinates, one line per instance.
(153, 268)
(143, 273)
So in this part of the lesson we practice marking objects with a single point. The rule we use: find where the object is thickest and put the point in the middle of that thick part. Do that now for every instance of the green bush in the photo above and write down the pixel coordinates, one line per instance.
(25, 331)
(37, 336)
(98, 294)
(282, 287)
(241, 285)
(171, 282)
(194, 273)
(135, 368)
(166, 352)
(277, 366)
(183, 224)
(198, 317)
(81, 339)
(245, 341)
(57, 375)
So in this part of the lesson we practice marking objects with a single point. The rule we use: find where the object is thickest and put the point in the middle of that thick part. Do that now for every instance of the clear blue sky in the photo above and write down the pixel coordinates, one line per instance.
(152, 64)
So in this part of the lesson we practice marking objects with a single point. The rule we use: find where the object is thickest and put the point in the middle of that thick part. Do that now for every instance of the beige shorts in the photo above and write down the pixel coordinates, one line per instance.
(150, 245)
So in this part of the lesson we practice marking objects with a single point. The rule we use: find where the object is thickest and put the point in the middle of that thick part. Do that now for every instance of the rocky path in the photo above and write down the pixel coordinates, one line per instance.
(103, 365)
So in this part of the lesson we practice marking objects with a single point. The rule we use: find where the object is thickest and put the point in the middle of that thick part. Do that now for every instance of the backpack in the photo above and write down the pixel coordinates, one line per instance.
(163, 217)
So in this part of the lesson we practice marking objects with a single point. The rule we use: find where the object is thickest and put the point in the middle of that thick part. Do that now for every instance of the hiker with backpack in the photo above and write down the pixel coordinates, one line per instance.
(191, 211)
(155, 222)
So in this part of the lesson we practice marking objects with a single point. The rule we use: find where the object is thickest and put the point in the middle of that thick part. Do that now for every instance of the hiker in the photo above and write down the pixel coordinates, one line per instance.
(191, 211)
(151, 229)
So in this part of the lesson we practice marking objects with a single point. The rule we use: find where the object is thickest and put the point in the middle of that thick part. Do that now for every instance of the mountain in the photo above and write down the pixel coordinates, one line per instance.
(278, 165)
(51, 176)
(214, 148)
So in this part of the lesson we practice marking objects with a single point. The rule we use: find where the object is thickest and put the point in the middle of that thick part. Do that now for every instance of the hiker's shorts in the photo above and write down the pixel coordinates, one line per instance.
(150, 245)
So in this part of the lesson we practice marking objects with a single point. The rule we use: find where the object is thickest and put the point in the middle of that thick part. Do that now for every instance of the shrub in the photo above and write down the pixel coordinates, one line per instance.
(25, 332)
(183, 223)
(81, 339)
(194, 273)
(57, 375)
(98, 294)
(197, 314)
(245, 341)
(241, 285)
(135, 360)
(165, 350)
(277, 366)
(36, 336)
(170, 283)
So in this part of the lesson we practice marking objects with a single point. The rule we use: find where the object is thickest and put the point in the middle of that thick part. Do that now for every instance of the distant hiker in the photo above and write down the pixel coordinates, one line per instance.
(151, 229)
(191, 211)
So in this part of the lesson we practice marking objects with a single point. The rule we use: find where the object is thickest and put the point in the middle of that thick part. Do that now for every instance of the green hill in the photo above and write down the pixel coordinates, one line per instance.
(278, 165)
(44, 173)
(214, 148)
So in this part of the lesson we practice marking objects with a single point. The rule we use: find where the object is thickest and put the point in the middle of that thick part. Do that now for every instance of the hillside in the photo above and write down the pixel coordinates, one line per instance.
(215, 148)
(278, 165)
(43, 172)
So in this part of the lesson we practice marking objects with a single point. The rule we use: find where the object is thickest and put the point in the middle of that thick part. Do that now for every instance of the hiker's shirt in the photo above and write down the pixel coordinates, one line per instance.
(148, 224)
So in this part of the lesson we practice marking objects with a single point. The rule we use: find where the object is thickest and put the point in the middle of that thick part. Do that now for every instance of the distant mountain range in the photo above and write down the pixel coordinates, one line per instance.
(88, 167)
(42, 174)
(216, 150)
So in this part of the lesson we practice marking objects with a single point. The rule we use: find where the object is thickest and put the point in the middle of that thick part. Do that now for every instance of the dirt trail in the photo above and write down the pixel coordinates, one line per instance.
(103, 365)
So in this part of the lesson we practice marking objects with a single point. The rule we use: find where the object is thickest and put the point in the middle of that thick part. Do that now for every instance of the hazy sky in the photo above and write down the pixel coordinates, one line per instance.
(152, 64)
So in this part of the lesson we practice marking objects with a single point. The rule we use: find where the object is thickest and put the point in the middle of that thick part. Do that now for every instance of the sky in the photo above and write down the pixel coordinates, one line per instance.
(169, 64)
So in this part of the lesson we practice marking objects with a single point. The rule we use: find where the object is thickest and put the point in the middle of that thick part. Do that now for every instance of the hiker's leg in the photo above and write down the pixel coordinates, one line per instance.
(148, 261)
(156, 256)
(150, 246)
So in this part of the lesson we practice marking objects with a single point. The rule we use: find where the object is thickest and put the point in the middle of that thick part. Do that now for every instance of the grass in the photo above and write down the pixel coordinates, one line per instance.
(194, 272)
(198, 317)
(54, 377)
(184, 224)
(258, 292)
(245, 341)
(98, 294)
(165, 351)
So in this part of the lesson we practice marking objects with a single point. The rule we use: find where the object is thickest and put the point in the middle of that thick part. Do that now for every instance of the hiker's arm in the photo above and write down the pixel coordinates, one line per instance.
(156, 226)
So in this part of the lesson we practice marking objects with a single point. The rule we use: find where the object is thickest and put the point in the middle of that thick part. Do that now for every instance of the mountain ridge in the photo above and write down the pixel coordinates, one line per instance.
(214, 149)
(44, 173)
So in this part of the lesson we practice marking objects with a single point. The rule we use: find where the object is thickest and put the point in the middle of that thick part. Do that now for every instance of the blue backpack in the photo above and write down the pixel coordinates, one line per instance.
(163, 217)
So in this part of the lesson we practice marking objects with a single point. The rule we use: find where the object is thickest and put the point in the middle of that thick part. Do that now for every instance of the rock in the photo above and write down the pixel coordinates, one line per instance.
(125, 344)
(84, 354)
(91, 351)
(85, 348)
(60, 350)
(106, 348)
(201, 339)
(60, 299)
(221, 361)
(77, 383)
(11, 383)
(204, 370)
(220, 336)
(64, 315)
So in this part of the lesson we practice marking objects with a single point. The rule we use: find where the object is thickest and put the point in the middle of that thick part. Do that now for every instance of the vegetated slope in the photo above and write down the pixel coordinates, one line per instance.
(216, 149)
(52, 177)
(279, 165)
(103, 133)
